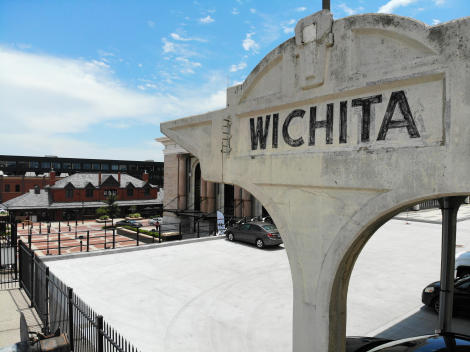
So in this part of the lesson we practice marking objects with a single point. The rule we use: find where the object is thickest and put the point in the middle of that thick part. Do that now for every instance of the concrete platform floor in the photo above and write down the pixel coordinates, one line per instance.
(12, 303)
(223, 296)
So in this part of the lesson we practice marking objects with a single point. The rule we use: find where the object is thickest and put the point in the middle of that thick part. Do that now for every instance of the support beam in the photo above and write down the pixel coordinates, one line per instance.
(326, 5)
(449, 208)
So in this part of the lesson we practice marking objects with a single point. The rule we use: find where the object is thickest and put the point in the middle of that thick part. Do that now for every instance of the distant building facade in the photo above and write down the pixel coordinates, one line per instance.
(12, 165)
(80, 194)
(188, 195)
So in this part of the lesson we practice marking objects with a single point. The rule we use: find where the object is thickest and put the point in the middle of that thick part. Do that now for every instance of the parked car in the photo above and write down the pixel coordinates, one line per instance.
(258, 232)
(132, 223)
(154, 221)
(462, 264)
(430, 296)
(430, 343)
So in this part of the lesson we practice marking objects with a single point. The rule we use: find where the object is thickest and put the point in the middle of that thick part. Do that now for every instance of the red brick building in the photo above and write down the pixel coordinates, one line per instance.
(14, 186)
(80, 195)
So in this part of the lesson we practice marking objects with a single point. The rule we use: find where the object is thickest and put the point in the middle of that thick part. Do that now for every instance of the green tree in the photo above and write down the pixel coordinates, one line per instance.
(113, 209)
(102, 211)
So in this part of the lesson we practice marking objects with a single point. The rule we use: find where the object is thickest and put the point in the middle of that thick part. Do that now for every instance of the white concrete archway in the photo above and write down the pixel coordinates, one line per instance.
(335, 130)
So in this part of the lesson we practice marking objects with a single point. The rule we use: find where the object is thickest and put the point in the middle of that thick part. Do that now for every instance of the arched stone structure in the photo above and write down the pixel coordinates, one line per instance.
(334, 131)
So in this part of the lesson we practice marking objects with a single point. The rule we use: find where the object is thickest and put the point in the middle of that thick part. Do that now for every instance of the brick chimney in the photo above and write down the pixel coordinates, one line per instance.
(145, 176)
(99, 179)
(52, 177)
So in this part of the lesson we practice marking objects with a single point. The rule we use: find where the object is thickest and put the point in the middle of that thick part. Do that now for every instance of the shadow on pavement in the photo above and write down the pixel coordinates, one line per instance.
(423, 322)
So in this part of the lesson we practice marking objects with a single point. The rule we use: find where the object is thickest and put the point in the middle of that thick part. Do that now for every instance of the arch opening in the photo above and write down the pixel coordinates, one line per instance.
(339, 312)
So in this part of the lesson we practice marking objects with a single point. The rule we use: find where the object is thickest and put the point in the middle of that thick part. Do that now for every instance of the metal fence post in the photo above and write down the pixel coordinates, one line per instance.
(70, 306)
(159, 234)
(114, 238)
(20, 242)
(32, 279)
(40, 227)
(46, 323)
(47, 241)
(58, 243)
(99, 333)
(59, 225)
(29, 240)
(88, 240)
(137, 237)
(198, 229)
(179, 229)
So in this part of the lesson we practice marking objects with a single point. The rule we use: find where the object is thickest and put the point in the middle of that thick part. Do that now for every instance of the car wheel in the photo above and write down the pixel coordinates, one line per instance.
(230, 236)
(259, 243)
(435, 305)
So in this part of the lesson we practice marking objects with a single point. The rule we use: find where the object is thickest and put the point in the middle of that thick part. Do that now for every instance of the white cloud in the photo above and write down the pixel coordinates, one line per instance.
(235, 11)
(287, 26)
(435, 21)
(180, 49)
(206, 20)
(240, 66)
(249, 43)
(349, 11)
(253, 10)
(178, 37)
(301, 9)
(168, 47)
(390, 6)
(48, 102)
(439, 2)
(151, 24)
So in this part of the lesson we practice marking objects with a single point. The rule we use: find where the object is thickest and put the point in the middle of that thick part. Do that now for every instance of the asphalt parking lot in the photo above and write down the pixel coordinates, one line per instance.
(222, 296)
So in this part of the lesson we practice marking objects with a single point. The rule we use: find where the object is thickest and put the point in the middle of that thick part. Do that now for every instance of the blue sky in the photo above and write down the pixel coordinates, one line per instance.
(95, 78)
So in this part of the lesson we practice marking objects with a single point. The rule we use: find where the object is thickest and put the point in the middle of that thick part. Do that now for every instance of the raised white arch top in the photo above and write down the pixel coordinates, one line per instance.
(334, 131)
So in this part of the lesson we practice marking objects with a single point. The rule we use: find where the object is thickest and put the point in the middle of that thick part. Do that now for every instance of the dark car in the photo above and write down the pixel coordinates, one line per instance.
(431, 343)
(430, 296)
(260, 233)
(132, 223)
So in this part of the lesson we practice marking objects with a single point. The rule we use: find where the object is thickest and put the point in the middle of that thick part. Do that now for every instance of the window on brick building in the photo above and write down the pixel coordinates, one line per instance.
(105, 167)
(89, 192)
(66, 166)
(110, 192)
(115, 167)
(130, 191)
(17, 188)
(45, 165)
(7, 188)
(34, 164)
(87, 166)
(96, 166)
(147, 190)
(76, 166)
(69, 191)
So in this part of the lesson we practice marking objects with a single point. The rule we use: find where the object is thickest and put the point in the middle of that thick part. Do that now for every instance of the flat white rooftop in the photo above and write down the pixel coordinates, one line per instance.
(222, 296)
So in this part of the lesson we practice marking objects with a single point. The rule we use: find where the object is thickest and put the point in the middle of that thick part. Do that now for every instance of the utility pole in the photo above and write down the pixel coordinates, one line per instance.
(326, 5)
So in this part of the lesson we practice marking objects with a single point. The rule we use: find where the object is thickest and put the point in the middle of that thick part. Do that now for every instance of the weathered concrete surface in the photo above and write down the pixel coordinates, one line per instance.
(215, 296)
(13, 302)
(395, 95)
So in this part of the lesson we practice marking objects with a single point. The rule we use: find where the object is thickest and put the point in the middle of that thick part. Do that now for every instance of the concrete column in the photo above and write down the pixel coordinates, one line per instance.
(182, 181)
(203, 195)
(210, 197)
(237, 202)
(246, 203)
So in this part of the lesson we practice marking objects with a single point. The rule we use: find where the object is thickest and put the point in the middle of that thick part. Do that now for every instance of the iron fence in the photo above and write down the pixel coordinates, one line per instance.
(8, 258)
(61, 310)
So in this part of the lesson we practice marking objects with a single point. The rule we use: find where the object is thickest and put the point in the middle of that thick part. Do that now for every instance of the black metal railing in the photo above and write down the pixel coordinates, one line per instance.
(61, 310)
(8, 258)
(53, 241)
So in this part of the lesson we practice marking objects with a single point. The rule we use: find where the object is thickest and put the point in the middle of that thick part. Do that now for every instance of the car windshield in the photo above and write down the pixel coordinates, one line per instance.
(270, 228)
